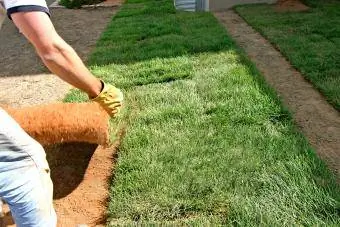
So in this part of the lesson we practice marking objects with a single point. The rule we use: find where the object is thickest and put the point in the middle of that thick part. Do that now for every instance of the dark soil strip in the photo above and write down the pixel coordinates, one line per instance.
(316, 118)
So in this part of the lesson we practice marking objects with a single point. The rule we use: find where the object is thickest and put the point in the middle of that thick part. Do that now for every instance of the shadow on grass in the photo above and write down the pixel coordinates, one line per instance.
(159, 37)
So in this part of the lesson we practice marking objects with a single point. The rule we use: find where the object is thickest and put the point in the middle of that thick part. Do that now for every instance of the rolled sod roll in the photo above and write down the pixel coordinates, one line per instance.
(64, 122)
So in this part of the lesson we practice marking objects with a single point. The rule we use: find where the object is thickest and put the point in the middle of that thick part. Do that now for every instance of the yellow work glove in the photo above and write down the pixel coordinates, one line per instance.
(110, 98)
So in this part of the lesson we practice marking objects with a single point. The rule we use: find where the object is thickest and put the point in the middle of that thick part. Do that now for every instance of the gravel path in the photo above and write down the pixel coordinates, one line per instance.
(317, 119)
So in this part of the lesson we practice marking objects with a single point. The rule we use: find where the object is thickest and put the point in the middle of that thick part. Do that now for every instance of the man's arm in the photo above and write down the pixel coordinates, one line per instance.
(62, 60)
(56, 54)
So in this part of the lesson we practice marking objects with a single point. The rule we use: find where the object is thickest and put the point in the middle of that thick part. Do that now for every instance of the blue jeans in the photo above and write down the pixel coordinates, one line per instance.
(25, 182)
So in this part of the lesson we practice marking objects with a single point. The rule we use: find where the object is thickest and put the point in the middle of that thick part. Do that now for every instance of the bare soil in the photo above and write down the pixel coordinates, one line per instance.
(314, 116)
(80, 171)
(290, 6)
(81, 174)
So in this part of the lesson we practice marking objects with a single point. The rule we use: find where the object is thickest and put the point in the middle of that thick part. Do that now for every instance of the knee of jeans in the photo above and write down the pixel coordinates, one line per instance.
(34, 201)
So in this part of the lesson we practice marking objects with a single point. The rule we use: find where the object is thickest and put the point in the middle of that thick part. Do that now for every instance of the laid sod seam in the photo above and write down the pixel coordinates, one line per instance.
(156, 31)
(210, 146)
(309, 40)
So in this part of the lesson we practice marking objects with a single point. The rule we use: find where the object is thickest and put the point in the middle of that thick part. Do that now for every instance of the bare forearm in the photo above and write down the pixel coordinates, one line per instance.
(65, 63)
(57, 55)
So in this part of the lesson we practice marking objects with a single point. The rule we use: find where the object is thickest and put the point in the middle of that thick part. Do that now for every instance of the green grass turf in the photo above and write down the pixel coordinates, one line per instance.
(310, 41)
(207, 142)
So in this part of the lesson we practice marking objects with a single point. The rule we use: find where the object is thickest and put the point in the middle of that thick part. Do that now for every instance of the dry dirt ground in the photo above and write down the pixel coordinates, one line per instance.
(290, 6)
(80, 172)
(317, 119)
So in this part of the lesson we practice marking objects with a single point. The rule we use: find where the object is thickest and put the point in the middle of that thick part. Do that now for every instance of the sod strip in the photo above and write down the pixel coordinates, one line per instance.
(212, 146)
(217, 146)
(310, 41)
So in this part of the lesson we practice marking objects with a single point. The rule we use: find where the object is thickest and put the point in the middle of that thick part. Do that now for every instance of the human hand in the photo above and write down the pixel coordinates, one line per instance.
(110, 98)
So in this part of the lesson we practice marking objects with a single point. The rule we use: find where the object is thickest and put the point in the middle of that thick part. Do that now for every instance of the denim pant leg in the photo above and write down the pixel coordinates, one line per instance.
(25, 182)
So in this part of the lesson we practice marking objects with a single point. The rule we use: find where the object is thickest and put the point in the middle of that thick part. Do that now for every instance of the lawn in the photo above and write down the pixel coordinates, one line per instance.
(207, 141)
(309, 40)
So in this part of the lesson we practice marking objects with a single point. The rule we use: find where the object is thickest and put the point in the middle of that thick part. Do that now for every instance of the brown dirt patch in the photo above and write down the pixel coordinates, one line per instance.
(80, 172)
(315, 117)
(290, 6)
(81, 175)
